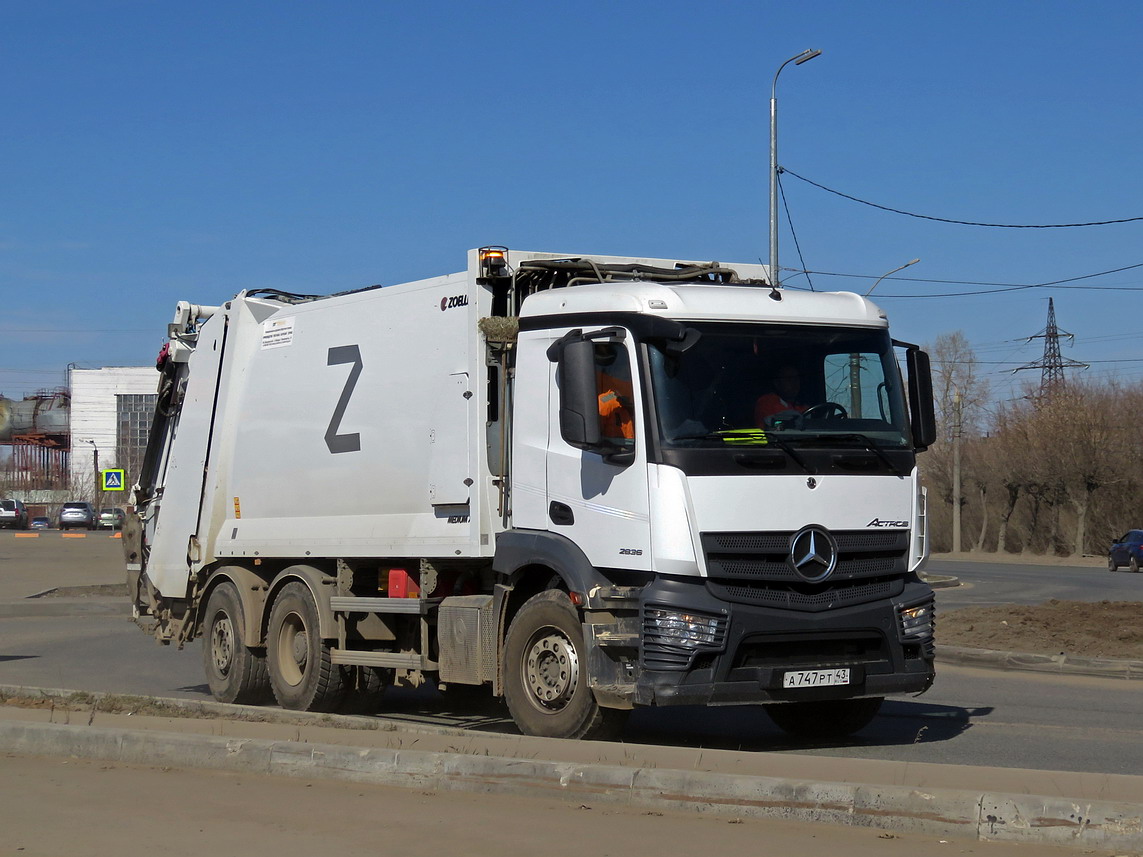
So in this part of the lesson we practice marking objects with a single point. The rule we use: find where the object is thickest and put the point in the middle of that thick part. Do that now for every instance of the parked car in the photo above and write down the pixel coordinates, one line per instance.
(1127, 550)
(77, 514)
(41, 523)
(111, 519)
(14, 514)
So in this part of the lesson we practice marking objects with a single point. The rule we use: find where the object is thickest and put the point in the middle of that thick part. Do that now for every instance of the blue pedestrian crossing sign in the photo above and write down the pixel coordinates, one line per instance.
(112, 480)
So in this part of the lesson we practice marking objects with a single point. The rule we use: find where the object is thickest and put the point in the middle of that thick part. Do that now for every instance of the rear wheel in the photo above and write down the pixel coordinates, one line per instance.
(1133, 565)
(234, 672)
(302, 671)
(545, 673)
(365, 688)
(824, 719)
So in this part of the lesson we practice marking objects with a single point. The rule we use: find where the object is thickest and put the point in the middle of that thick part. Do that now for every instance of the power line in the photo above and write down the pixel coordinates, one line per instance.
(959, 222)
(1011, 362)
(1002, 287)
(790, 222)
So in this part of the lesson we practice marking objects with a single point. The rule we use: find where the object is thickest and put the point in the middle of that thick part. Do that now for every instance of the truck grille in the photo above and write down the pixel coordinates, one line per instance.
(751, 568)
(762, 556)
(807, 597)
(812, 650)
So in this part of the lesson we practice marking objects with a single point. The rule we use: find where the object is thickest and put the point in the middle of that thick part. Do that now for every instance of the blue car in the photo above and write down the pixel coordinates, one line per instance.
(1127, 550)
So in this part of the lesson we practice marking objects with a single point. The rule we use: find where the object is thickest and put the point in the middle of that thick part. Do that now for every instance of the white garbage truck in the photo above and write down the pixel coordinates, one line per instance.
(586, 483)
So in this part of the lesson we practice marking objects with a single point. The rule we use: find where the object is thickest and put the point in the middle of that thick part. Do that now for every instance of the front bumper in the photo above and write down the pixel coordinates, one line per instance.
(755, 646)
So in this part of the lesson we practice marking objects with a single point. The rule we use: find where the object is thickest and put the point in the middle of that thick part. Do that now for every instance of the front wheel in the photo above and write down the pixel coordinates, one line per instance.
(545, 673)
(829, 719)
(1112, 565)
(302, 671)
(234, 672)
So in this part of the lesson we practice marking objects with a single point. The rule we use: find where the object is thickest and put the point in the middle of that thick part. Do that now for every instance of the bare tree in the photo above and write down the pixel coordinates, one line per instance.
(960, 396)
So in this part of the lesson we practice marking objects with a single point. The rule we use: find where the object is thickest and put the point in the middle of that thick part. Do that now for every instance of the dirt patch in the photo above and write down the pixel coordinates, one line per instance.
(1100, 629)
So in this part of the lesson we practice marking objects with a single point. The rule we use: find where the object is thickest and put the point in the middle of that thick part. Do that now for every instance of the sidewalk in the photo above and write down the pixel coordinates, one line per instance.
(1088, 811)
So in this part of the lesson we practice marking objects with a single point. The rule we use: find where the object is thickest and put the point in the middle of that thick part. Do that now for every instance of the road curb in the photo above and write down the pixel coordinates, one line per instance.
(1059, 664)
(978, 815)
(63, 607)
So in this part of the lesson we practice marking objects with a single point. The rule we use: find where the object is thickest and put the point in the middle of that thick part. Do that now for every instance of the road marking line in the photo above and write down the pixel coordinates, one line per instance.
(73, 535)
(27, 535)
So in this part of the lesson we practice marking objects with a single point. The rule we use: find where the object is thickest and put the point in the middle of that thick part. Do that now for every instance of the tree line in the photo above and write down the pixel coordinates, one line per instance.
(1056, 472)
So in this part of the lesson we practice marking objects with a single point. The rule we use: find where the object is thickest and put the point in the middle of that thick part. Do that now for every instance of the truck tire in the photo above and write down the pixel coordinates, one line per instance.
(828, 719)
(302, 672)
(234, 672)
(365, 688)
(545, 673)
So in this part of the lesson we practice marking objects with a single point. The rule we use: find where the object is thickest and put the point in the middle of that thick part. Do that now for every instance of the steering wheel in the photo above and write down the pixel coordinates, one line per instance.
(826, 410)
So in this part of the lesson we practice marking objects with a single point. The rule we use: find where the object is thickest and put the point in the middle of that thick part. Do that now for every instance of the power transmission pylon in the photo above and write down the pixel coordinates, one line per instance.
(1052, 364)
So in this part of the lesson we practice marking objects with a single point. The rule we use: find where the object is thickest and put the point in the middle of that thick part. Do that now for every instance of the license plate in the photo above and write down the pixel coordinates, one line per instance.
(815, 678)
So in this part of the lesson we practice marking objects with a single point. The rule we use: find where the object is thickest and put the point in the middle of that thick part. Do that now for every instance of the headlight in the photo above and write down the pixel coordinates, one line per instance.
(690, 630)
(917, 622)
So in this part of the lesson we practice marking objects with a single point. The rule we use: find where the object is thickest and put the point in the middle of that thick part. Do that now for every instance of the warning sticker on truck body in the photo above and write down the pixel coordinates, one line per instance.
(277, 333)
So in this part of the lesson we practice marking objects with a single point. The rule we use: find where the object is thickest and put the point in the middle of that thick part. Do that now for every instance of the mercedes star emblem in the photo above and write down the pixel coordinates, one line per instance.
(813, 553)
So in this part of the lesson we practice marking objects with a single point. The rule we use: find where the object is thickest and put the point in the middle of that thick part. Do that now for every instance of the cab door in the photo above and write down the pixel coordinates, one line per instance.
(597, 497)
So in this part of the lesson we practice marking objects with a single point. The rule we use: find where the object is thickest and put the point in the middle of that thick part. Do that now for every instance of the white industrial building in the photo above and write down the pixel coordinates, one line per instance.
(111, 410)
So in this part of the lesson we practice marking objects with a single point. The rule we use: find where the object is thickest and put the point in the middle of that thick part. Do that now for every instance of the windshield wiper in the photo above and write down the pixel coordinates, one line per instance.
(789, 450)
(871, 447)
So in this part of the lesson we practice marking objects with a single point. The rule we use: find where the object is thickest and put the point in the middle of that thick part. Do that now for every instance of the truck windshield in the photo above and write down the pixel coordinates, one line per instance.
(789, 385)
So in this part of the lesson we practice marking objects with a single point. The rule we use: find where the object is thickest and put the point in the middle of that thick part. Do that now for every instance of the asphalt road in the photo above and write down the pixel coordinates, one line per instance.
(986, 583)
(969, 717)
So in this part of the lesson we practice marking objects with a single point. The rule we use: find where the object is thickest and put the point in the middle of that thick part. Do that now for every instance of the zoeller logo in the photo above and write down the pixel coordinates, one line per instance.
(877, 522)
(454, 301)
(813, 553)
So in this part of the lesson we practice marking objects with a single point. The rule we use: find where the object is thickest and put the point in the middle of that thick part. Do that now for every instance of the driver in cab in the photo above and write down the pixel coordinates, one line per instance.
(784, 399)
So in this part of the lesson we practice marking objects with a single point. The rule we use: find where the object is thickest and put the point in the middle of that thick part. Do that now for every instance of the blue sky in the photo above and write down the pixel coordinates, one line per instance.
(162, 151)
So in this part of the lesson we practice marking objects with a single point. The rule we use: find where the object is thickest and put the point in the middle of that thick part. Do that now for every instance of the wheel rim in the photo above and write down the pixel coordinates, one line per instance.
(293, 649)
(222, 644)
(550, 670)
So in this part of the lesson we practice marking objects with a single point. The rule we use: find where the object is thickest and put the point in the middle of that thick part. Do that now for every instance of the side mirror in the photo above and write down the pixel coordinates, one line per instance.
(579, 402)
(922, 417)
(574, 356)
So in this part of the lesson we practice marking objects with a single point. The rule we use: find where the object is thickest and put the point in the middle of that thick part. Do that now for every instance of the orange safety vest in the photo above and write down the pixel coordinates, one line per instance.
(615, 419)
(770, 404)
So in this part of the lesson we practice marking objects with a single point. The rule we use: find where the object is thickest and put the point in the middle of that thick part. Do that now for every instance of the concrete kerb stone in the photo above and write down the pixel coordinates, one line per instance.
(1060, 664)
(983, 815)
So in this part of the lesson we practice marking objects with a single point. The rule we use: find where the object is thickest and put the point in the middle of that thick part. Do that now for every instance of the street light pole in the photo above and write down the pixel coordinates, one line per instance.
(804, 56)
(95, 473)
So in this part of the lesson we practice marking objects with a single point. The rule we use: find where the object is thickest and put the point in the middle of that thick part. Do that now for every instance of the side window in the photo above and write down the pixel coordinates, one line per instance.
(616, 395)
(857, 382)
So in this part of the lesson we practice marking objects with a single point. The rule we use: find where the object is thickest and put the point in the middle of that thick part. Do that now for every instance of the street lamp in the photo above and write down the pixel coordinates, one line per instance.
(95, 460)
(894, 271)
(804, 56)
